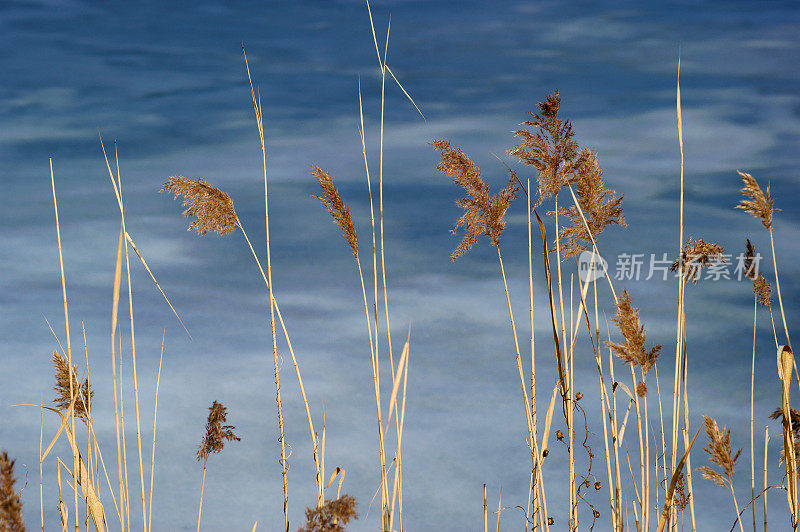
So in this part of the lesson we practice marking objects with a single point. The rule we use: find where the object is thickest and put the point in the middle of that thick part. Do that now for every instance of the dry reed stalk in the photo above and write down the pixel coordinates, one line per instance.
(217, 433)
(568, 404)
(62, 507)
(41, 473)
(533, 502)
(336, 207)
(114, 314)
(603, 394)
(81, 473)
(382, 63)
(87, 404)
(554, 154)
(66, 326)
(153, 277)
(562, 378)
(720, 452)
(134, 369)
(125, 239)
(499, 498)
(125, 496)
(663, 435)
(485, 512)
(528, 415)
(761, 205)
(778, 287)
(260, 124)
(606, 413)
(85, 396)
(678, 340)
(93, 449)
(750, 273)
(785, 364)
(176, 184)
(117, 186)
(322, 455)
(695, 255)
(61, 388)
(615, 438)
(666, 512)
(574, 328)
(766, 446)
(401, 414)
(485, 215)
(589, 234)
(153, 455)
(374, 253)
(538, 498)
(373, 340)
(685, 432)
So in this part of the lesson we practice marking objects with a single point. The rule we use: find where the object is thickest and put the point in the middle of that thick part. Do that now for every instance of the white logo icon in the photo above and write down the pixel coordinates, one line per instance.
(591, 266)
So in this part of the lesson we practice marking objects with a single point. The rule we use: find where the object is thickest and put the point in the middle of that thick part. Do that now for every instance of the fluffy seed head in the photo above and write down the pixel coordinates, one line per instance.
(681, 494)
(484, 213)
(217, 433)
(600, 206)
(696, 255)
(755, 201)
(633, 351)
(549, 147)
(10, 504)
(719, 452)
(332, 201)
(763, 290)
(331, 516)
(213, 209)
(81, 391)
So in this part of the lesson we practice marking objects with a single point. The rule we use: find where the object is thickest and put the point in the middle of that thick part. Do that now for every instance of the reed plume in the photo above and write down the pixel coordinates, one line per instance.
(336, 207)
(66, 390)
(750, 264)
(551, 149)
(760, 204)
(213, 442)
(600, 206)
(331, 516)
(484, 213)
(720, 452)
(10, 504)
(633, 352)
(681, 500)
(216, 433)
(761, 288)
(212, 208)
(696, 255)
